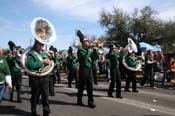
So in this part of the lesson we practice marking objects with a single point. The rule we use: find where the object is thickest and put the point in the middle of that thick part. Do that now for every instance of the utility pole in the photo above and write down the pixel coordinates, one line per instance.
(31, 41)
(46, 47)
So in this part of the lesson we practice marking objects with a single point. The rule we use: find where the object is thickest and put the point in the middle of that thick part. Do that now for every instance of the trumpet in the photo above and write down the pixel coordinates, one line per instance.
(98, 44)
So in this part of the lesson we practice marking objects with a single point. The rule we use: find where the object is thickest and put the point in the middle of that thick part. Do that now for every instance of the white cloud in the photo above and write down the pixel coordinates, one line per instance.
(168, 15)
(130, 5)
(89, 9)
(85, 9)
(167, 10)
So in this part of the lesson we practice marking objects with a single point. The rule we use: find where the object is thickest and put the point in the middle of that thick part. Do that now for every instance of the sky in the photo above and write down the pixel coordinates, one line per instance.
(66, 16)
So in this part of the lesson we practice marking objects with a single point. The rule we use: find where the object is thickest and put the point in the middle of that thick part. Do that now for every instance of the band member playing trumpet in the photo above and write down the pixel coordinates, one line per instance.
(14, 63)
(95, 57)
(114, 56)
(72, 65)
(85, 73)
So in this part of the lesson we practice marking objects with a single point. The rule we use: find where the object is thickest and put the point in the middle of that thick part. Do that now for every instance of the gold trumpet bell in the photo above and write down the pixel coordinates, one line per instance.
(43, 30)
(100, 42)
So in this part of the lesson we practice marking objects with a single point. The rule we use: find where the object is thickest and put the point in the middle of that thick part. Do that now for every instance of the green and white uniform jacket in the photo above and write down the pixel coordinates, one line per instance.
(4, 71)
(34, 60)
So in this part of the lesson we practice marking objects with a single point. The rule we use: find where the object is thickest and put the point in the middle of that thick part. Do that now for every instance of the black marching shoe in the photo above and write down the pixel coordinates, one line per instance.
(52, 94)
(11, 99)
(46, 112)
(95, 83)
(127, 90)
(119, 96)
(80, 103)
(110, 95)
(135, 91)
(69, 86)
(91, 105)
(19, 100)
(34, 114)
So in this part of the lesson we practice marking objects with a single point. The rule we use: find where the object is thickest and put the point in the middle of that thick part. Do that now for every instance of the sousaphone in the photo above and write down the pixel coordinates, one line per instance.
(131, 47)
(44, 32)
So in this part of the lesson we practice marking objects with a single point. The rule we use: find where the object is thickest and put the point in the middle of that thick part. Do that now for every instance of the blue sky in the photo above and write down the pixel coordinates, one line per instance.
(66, 16)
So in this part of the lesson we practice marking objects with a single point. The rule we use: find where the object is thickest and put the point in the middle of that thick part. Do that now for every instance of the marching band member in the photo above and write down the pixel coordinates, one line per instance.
(52, 75)
(39, 85)
(148, 68)
(114, 56)
(85, 73)
(5, 76)
(14, 63)
(72, 68)
(131, 61)
(95, 57)
(57, 60)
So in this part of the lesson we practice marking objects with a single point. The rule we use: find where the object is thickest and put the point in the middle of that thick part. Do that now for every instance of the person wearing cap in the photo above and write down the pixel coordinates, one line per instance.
(85, 73)
(14, 63)
(95, 57)
(114, 56)
(148, 69)
(72, 66)
(52, 75)
(57, 61)
(5, 77)
(39, 85)
(131, 61)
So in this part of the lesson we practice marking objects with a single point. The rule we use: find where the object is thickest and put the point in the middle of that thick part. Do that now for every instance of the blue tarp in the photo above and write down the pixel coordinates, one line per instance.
(146, 46)
(105, 50)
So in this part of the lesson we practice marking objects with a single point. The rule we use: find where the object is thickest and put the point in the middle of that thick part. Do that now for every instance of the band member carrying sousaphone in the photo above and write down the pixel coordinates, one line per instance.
(132, 65)
(38, 65)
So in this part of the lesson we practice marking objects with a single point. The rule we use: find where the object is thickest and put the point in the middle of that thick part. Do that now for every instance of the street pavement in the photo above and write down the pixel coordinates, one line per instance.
(147, 102)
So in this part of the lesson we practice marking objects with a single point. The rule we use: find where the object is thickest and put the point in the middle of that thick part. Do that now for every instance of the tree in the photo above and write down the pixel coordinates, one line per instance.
(116, 24)
(144, 23)
(167, 36)
(142, 26)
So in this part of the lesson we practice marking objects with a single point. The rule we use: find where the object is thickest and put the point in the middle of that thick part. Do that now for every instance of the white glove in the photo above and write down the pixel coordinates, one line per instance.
(8, 80)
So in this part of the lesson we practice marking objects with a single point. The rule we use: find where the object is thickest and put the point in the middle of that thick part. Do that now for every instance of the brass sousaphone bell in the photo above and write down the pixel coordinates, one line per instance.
(43, 30)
